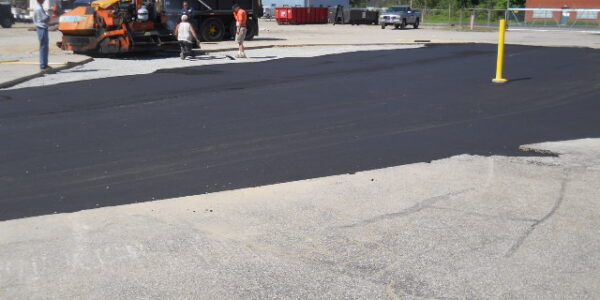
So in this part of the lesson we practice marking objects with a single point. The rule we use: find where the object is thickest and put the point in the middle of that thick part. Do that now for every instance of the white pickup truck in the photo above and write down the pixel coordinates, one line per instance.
(400, 16)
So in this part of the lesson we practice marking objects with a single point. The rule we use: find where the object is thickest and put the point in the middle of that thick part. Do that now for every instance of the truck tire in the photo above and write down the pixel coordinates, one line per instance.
(396, 26)
(251, 29)
(403, 25)
(212, 30)
(6, 23)
(416, 25)
(382, 26)
(231, 34)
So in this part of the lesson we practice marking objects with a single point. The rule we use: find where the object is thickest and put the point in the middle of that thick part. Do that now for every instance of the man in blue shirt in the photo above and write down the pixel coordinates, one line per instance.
(41, 20)
(187, 10)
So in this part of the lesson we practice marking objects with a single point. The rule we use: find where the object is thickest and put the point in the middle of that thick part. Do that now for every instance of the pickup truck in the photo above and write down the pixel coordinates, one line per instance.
(400, 16)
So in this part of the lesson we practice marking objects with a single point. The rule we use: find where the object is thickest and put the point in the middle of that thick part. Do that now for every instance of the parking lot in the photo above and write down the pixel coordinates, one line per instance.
(334, 162)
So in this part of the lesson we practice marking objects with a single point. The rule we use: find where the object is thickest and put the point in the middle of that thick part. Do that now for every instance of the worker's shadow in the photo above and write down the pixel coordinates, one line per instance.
(83, 71)
(140, 56)
(212, 57)
(206, 57)
(268, 39)
(262, 57)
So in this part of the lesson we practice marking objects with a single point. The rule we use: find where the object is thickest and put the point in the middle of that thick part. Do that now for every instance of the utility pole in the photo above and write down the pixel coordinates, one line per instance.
(507, 9)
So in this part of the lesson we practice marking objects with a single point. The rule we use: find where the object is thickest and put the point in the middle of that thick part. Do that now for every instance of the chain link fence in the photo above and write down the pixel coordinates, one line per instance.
(473, 18)
(461, 17)
(488, 18)
(548, 18)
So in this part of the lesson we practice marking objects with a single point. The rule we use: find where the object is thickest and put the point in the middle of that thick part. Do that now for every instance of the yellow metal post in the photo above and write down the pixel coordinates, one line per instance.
(500, 61)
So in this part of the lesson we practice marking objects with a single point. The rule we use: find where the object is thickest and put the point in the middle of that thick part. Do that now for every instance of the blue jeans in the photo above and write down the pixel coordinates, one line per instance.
(42, 34)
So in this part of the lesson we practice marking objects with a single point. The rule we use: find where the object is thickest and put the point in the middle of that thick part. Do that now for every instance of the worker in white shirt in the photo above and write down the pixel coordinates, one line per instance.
(41, 21)
(184, 32)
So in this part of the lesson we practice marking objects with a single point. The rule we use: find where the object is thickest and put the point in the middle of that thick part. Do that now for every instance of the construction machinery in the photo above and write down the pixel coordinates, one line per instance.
(6, 16)
(122, 26)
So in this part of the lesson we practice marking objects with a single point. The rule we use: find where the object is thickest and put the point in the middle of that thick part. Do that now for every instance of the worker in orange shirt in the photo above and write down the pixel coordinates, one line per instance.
(241, 19)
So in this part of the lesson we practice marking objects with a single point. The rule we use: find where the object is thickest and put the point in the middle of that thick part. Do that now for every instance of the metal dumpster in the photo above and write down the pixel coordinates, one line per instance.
(363, 16)
(301, 15)
(339, 15)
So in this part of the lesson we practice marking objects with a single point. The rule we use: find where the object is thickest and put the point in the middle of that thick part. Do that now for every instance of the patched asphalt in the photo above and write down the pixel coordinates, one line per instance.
(196, 130)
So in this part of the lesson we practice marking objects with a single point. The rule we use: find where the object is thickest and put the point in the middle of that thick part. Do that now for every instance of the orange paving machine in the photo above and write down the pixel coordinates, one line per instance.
(113, 26)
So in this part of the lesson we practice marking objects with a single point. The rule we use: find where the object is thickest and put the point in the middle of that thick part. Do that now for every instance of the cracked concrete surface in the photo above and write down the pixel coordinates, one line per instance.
(427, 203)
(536, 223)
(462, 227)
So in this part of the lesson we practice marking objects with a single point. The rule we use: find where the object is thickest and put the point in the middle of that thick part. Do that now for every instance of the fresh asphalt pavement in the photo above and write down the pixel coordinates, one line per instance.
(197, 130)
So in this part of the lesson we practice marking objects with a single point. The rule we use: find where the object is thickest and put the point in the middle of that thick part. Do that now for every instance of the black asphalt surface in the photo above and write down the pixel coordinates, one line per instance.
(203, 129)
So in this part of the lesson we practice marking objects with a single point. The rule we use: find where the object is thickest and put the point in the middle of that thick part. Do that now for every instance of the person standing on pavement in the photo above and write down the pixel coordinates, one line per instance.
(187, 10)
(41, 21)
(241, 20)
(184, 32)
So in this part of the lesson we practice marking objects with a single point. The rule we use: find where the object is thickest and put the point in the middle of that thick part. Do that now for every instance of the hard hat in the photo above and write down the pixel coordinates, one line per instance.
(184, 18)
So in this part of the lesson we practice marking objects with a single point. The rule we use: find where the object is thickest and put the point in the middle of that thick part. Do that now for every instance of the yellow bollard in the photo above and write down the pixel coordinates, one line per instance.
(500, 61)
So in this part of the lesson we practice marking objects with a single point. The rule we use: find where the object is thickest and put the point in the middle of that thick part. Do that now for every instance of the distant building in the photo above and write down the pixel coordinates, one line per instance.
(305, 3)
(563, 10)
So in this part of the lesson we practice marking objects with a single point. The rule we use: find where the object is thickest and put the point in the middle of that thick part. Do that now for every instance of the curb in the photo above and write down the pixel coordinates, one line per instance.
(68, 65)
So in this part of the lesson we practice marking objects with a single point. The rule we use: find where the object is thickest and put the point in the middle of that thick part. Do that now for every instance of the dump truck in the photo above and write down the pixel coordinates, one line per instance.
(213, 19)
(122, 26)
